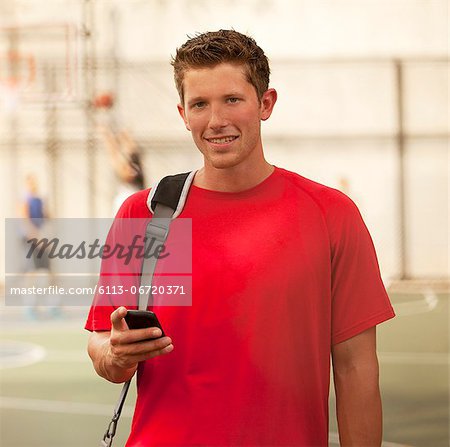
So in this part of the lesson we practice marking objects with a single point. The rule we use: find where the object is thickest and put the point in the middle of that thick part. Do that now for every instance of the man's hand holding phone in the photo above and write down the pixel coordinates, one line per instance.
(128, 347)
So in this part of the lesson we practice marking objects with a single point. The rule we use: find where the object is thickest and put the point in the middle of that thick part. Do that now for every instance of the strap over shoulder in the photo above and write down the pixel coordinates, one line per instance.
(171, 191)
(165, 201)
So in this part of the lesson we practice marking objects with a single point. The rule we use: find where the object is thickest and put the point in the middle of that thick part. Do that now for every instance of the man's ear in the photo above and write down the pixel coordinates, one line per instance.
(268, 100)
(183, 116)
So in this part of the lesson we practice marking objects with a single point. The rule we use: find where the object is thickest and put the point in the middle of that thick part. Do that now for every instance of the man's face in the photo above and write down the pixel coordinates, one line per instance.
(222, 110)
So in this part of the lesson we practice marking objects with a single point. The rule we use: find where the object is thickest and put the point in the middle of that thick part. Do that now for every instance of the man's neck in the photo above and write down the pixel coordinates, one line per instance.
(232, 179)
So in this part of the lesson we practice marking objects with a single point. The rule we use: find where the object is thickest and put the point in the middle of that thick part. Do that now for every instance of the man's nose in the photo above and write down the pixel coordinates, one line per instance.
(217, 118)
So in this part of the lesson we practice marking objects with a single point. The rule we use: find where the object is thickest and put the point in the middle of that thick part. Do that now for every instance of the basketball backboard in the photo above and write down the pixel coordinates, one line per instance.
(39, 63)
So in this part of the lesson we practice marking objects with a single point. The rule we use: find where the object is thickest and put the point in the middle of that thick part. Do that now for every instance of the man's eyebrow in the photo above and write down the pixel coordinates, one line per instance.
(196, 99)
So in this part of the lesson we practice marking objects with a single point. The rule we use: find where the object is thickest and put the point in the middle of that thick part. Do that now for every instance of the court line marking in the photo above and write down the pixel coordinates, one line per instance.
(334, 438)
(56, 406)
(427, 358)
(31, 354)
(37, 354)
(431, 358)
(428, 303)
(95, 409)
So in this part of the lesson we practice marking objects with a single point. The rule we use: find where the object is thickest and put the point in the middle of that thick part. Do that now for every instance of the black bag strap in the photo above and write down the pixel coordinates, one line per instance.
(172, 192)
(166, 201)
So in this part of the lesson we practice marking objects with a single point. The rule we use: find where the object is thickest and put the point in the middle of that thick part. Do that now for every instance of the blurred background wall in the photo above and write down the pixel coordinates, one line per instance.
(363, 104)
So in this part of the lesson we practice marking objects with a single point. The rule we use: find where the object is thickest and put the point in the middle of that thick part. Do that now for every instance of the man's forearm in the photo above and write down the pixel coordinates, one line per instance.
(98, 349)
(358, 406)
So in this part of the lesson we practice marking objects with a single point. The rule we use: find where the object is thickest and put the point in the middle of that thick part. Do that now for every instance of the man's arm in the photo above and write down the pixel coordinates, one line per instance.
(358, 400)
(115, 354)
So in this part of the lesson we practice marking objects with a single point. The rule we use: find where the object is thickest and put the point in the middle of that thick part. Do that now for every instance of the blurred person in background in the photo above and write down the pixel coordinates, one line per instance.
(38, 266)
(123, 151)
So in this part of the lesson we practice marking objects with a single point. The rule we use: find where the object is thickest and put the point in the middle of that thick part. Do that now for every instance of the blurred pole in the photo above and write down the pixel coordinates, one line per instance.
(51, 137)
(89, 78)
(400, 137)
(13, 43)
(115, 30)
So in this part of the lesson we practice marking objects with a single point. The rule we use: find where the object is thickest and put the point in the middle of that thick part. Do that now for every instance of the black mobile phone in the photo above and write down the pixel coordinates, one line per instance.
(141, 319)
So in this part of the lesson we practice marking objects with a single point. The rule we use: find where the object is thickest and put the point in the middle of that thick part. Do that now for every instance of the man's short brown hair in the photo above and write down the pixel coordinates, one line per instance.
(212, 48)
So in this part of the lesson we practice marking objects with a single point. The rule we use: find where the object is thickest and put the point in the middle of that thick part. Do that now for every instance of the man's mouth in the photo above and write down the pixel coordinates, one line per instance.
(222, 140)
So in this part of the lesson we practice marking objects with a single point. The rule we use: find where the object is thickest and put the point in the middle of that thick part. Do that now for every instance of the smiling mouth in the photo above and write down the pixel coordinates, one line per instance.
(223, 140)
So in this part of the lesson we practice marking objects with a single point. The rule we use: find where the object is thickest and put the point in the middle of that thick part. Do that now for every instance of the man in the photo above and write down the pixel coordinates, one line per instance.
(284, 274)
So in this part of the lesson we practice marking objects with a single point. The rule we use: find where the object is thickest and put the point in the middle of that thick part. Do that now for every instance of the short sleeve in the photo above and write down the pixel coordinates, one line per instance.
(99, 318)
(359, 299)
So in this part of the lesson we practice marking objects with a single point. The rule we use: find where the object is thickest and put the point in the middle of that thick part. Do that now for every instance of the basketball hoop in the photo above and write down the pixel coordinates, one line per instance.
(36, 78)
(17, 74)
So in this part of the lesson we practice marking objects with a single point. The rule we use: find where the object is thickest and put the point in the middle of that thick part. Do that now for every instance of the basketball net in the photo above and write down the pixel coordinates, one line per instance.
(10, 97)
(11, 87)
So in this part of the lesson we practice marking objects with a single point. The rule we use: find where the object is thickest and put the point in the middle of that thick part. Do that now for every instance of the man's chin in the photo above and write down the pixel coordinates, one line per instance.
(223, 162)
(224, 165)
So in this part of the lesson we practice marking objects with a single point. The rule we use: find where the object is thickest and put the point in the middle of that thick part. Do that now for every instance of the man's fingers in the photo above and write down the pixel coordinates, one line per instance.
(140, 335)
(130, 354)
(136, 358)
(145, 347)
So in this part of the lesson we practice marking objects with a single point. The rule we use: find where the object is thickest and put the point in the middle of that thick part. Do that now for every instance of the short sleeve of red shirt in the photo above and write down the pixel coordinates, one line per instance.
(100, 312)
(359, 299)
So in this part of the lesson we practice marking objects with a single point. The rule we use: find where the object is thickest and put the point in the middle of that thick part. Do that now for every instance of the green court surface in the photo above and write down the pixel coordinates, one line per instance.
(51, 397)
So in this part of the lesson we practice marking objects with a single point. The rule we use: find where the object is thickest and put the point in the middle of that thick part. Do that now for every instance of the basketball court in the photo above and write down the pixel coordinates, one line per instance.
(366, 115)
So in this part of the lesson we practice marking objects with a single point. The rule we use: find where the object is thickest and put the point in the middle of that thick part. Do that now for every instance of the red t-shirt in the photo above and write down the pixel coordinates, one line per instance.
(280, 273)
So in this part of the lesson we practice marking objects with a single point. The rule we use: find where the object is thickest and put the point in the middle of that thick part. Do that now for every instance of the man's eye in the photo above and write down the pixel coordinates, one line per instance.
(198, 105)
(233, 100)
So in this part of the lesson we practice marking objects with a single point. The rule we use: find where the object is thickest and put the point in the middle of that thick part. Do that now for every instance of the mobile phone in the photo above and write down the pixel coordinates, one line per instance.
(141, 319)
